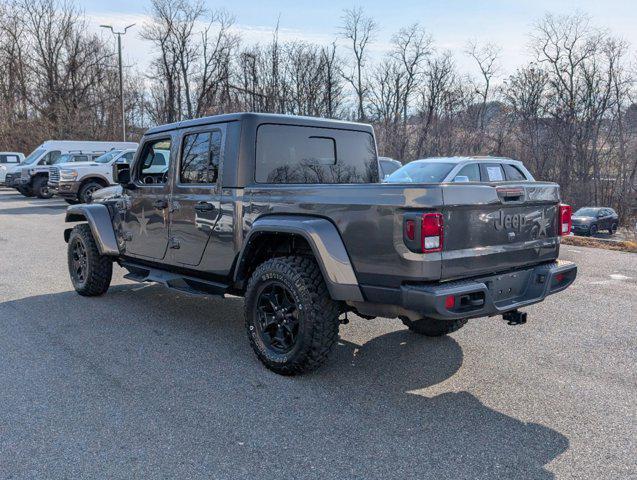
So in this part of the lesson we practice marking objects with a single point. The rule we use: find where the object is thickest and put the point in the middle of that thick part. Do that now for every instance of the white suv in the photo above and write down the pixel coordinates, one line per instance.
(76, 181)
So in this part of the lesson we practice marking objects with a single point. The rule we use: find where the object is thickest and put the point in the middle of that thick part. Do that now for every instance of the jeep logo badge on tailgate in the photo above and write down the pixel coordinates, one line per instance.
(515, 221)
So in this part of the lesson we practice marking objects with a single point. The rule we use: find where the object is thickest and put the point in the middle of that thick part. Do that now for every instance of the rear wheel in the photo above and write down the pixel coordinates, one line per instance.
(41, 187)
(86, 192)
(291, 321)
(434, 328)
(90, 272)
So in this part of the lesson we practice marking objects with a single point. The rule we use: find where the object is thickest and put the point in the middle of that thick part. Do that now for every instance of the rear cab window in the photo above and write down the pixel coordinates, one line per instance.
(8, 158)
(292, 154)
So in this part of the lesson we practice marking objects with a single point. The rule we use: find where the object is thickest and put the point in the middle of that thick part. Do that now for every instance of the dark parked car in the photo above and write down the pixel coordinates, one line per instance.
(289, 213)
(590, 220)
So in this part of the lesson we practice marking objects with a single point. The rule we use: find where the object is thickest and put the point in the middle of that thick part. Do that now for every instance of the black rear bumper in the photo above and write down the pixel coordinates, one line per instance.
(489, 295)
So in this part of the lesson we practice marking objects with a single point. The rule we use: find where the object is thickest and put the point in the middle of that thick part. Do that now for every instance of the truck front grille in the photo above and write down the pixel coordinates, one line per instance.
(54, 174)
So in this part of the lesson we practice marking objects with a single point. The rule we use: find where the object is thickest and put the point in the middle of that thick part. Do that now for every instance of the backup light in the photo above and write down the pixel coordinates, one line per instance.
(432, 232)
(564, 219)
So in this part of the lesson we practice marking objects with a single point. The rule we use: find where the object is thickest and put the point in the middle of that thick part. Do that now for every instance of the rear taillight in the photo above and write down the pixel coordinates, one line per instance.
(431, 236)
(564, 219)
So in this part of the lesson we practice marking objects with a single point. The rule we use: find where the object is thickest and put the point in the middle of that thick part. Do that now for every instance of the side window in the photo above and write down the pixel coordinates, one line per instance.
(80, 158)
(471, 171)
(50, 158)
(492, 172)
(513, 172)
(154, 162)
(294, 154)
(200, 157)
(127, 157)
(8, 159)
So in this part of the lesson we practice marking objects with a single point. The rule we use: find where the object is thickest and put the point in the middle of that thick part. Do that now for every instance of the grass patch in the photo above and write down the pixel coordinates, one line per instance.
(622, 246)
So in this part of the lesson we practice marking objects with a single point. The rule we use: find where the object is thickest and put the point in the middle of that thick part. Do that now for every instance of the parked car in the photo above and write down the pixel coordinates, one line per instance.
(590, 220)
(289, 212)
(387, 166)
(460, 170)
(9, 161)
(77, 182)
(32, 176)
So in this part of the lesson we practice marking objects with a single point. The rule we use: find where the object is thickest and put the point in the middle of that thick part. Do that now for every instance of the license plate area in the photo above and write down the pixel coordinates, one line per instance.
(508, 287)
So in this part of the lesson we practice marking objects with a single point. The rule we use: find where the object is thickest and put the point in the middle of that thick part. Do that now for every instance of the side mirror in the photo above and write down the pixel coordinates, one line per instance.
(461, 179)
(123, 178)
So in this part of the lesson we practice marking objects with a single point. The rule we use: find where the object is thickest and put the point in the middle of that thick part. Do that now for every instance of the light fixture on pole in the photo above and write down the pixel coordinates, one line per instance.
(121, 79)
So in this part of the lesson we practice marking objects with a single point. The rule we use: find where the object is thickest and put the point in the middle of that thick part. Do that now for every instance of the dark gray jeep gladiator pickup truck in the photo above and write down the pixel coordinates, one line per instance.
(289, 213)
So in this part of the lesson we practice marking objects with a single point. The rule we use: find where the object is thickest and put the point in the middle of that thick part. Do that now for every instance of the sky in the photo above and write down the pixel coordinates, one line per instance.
(452, 23)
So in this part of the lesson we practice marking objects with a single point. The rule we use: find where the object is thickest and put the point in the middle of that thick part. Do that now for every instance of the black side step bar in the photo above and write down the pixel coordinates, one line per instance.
(175, 281)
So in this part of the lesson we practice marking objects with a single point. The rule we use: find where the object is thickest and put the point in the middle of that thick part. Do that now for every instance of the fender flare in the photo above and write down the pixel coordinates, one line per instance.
(99, 220)
(326, 244)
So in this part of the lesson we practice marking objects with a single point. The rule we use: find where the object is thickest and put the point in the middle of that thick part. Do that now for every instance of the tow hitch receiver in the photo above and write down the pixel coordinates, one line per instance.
(514, 317)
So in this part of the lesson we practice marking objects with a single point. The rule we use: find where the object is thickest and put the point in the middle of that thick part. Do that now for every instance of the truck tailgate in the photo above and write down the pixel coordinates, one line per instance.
(490, 228)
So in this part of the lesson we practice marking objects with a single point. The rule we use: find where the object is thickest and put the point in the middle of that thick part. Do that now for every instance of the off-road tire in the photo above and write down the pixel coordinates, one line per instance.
(86, 191)
(99, 268)
(40, 187)
(71, 201)
(434, 328)
(317, 314)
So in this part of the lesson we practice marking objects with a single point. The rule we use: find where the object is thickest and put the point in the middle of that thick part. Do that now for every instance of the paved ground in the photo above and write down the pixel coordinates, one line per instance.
(144, 383)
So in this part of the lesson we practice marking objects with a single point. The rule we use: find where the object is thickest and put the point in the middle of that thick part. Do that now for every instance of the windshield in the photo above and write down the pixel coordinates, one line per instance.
(586, 212)
(33, 157)
(108, 156)
(421, 172)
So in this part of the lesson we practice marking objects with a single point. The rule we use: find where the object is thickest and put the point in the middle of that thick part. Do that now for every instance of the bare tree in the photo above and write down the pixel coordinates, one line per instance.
(359, 30)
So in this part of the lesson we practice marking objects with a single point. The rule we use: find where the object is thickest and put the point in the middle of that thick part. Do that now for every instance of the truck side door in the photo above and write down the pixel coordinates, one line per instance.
(145, 226)
(196, 194)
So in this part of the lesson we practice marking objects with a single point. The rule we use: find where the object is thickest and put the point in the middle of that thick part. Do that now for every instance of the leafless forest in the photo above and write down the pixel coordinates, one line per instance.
(570, 113)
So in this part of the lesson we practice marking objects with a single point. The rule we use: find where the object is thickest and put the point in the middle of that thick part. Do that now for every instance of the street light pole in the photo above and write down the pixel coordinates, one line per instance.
(121, 74)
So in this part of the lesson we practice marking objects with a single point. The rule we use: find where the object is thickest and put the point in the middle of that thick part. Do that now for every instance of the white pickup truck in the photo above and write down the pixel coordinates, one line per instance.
(9, 161)
(77, 181)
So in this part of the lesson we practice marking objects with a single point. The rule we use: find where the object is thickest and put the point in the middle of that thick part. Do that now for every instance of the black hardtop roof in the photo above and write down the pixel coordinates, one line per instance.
(259, 118)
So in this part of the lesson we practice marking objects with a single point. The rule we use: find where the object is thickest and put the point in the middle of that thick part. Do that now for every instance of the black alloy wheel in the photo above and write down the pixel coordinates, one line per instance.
(278, 317)
(79, 261)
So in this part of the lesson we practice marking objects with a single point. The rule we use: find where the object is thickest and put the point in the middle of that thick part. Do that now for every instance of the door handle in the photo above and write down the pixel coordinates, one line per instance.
(160, 204)
(204, 207)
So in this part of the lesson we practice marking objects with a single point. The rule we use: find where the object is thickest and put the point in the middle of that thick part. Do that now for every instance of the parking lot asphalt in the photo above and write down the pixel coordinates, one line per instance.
(146, 383)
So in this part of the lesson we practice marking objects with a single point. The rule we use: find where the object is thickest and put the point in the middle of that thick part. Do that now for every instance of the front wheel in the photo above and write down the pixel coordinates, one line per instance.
(592, 231)
(41, 187)
(90, 272)
(86, 192)
(434, 328)
(291, 321)
(26, 191)
(613, 229)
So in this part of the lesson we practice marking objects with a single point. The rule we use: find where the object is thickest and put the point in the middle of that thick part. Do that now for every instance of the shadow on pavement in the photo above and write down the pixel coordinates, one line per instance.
(30, 205)
(144, 380)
